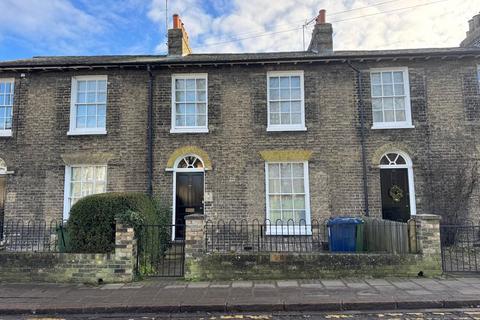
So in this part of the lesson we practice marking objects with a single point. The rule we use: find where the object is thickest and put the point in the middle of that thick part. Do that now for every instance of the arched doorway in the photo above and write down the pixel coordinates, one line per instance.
(397, 187)
(188, 191)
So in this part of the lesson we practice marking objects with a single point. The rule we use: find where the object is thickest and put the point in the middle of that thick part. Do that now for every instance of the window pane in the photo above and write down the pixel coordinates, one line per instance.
(274, 118)
(91, 85)
(91, 110)
(201, 84)
(180, 96)
(285, 118)
(389, 117)
(190, 84)
(201, 108)
(284, 106)
(388, 90)
(274, 106)
(297, 170)
(376, 78)
(388, 103)
(91, 122)
(274, 170)
(287, 202)
(76, 189)
(179, 121)
(190, 108)
(284, 82)
(180, 108)
(399, 103)
(377, 116)
(190, 121)
(82, 85)
(201, 96)
(284, 94)
(274, 186)
(81, 122)
(286, 170)
(274, 82)
(296, 107)
(81, 97)
(81, 110)
(275, 202)
(190, 96)
(399, 90)
(295, 81)
(387, 77)
(295, 93)
(275, 215)
(377, 103)
(398, 77)
(298, 186)
(101, 97)
(102, 85)
(2, 100)
(300, 216)
(99, 187)
(101, 122)
(76, 174)
(100, 173)
(101, 110)
(376, 90)
(180, 84)
(296, 118)
(400, 115)
(274, 94)
(286, 186)
(201, 120)
(299, 202)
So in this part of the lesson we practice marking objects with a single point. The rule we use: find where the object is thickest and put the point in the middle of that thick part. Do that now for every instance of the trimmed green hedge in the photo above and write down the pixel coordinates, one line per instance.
(91, 226)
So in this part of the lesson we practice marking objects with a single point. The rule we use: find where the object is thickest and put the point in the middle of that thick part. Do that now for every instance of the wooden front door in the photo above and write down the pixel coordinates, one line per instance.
(189, 198)
(395, 194)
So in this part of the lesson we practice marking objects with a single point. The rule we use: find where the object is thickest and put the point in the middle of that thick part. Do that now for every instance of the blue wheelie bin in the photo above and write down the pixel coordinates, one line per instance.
(342, 234)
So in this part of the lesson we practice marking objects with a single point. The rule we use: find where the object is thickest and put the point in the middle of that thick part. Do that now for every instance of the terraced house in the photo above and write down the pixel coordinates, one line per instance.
(282, 135)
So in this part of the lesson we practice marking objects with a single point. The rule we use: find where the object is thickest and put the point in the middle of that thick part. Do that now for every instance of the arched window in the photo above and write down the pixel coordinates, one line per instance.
(3, 166)
(190, 162)
(392, 159)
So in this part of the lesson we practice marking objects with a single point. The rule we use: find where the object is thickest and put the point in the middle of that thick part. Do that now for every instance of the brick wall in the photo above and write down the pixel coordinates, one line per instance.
(443, 97)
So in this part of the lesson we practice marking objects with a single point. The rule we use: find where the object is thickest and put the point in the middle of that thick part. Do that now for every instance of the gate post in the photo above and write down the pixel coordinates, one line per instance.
(194, 242)
(428, 242)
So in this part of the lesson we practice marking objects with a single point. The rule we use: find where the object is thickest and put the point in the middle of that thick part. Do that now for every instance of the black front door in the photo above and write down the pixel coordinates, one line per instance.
(189, 198)
(395, 194)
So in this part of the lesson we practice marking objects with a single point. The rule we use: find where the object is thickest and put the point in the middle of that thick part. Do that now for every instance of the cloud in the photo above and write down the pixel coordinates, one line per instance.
(54, 25)
(439, 24)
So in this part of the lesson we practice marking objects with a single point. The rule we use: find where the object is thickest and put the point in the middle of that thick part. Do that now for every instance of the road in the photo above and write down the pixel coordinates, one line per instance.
(466, 314)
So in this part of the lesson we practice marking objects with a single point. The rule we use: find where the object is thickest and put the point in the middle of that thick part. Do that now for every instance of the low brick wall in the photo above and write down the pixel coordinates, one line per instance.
(73, 267)
(220, 266)
(200, 265)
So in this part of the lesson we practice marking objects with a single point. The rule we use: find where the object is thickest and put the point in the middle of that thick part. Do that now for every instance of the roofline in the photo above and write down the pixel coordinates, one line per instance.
(474, 53)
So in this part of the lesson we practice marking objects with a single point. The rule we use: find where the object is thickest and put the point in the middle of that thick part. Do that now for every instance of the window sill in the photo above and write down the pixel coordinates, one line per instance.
(5, 133)
(286, 128)
(189, 130)
(288, 231)
(392, 126)
(86, 132)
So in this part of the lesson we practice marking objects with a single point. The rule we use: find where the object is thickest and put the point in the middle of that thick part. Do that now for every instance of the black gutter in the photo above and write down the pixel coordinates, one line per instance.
(361, 109)
(150, 132)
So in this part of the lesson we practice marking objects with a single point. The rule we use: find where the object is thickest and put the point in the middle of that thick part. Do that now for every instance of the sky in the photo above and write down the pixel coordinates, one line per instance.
(109, 27)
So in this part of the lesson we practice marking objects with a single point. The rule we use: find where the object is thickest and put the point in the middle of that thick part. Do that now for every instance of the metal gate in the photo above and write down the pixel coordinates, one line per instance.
(460, 248)
(158, 254)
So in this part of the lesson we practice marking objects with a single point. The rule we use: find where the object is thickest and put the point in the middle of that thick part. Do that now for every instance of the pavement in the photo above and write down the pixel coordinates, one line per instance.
(175, 296)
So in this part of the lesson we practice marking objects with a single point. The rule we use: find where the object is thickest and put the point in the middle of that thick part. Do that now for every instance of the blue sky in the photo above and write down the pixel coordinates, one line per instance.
(98, 27)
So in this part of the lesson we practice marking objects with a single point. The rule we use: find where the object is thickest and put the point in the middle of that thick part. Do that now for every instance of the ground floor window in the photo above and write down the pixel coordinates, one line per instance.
(287, 194)
(81, 181)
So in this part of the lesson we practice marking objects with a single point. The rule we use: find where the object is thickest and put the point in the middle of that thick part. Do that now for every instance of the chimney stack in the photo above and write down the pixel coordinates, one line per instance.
(473, 34)
(322, 35)
(178, 39)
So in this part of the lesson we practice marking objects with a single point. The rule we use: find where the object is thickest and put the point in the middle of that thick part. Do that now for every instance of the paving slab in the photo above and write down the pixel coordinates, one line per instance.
(287, 283)
(333, 283)
(242, 284)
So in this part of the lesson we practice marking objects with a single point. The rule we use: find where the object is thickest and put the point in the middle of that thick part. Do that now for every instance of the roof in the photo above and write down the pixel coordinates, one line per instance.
(60, 62)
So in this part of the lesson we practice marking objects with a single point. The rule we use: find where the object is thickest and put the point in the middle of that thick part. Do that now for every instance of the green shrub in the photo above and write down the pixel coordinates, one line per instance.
(91, 225)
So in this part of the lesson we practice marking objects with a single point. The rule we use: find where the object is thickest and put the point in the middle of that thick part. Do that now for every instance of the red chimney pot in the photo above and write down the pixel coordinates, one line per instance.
(176, 21)
(321, 16)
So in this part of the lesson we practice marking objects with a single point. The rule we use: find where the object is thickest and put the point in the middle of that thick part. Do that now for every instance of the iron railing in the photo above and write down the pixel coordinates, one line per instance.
(32, 235)
(158, 253)
(376, 235)
(460, 247)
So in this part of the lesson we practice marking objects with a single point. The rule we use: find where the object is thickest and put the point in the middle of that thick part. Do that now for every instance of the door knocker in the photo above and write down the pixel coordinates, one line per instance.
(396, 193)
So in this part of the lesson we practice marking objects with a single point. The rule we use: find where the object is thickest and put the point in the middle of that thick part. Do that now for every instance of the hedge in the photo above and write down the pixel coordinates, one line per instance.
(91, 226)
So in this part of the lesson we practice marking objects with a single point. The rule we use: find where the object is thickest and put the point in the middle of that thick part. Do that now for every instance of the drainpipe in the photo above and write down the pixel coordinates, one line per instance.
(361, 108)
(150, 133)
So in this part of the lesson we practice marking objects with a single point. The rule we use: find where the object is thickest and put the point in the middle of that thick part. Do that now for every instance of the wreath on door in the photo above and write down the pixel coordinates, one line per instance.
(396, 193)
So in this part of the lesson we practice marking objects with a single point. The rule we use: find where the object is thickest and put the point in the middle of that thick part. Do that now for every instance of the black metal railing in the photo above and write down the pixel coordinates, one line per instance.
(159, 254)
(460, 248)
(32, 235)
(375, 235)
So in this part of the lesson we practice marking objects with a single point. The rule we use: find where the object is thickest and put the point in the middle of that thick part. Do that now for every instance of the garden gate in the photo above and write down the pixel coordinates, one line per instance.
(460, 248)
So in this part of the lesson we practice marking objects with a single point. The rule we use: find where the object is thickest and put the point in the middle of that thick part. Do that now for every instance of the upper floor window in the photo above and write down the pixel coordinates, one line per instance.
(88, 105)
(286, 108)
(6, 106)
(189, 103)
(390, 98)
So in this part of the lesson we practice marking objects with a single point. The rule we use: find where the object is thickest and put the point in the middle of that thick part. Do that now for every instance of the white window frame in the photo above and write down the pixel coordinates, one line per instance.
(8, 132)
(407, 124)
(67, 185)
(297, 229)
(195, 129)
(284, 127)
(74, 131)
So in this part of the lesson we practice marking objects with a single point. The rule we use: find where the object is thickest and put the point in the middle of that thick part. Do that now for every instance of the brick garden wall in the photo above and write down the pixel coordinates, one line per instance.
(73, 267)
